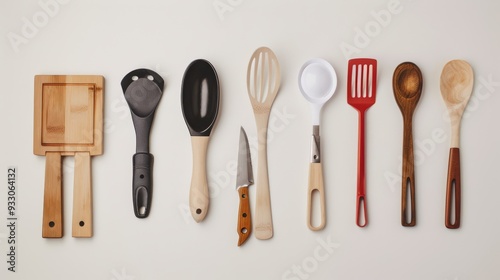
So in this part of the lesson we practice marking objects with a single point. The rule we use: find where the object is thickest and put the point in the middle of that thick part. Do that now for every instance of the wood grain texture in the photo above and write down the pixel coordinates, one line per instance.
(244, 216)
(82, 196)
(263, 222)
(198, 193)
(453, 186)
(68, 121)
(68, 114)
(263, 82)
(407, 85)
(457, 80)
(408, 179)
(52, 226)
(316, 185)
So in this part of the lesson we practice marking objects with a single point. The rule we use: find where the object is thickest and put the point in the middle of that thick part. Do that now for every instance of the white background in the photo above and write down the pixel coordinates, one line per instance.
(111, 38)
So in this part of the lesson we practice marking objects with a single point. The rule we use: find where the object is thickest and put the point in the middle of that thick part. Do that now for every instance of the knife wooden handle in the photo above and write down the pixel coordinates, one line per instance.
(52, 226)
(82, 196)
(316, 185)
(453, 186)
(198, 194)
(244, 216)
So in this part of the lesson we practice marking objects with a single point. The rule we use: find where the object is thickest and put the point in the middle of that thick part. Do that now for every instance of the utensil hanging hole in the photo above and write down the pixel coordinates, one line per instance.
(198, 211)
(142, 210)
(141, 176)
(407, 211)
(52, 224)
(361, 219)
(244, 230)
(81, 223)
(244, 215)
(315, 218)
(135, 78)
(243, 195)
(453, 201)
(150, 77)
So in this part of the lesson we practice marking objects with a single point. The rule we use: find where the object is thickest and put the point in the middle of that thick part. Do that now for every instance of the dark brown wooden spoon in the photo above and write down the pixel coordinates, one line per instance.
(407, 86)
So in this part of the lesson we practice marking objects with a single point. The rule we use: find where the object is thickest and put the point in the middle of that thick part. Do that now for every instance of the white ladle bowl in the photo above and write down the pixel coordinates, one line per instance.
(317, 83)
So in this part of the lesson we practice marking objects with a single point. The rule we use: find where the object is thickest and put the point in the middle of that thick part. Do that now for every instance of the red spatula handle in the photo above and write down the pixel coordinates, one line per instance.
(361, 211)
(453, 187)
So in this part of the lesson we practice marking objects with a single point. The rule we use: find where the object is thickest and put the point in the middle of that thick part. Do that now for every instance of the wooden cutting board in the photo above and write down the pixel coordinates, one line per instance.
(68, 121)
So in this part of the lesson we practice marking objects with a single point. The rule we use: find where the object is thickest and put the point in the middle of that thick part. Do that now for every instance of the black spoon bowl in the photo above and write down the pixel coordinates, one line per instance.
(200, 106)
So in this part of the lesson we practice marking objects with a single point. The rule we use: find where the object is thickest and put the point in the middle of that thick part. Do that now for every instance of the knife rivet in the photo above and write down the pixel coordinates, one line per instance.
(243, 195)
(244, 215)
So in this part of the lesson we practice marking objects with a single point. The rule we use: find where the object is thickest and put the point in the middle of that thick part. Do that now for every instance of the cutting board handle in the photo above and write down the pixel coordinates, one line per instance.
(82, 196)
(52, 226)
(142, 184)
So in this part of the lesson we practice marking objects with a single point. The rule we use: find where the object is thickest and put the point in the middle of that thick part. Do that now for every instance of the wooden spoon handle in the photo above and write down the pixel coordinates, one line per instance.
(408, 177)
(263, 222)
(82, 196)
(453, 186)
(316, 184)
(52, 226)
(244, 216)
(198, 194)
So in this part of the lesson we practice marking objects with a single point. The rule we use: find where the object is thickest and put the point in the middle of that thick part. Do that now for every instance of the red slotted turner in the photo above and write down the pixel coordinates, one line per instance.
(361, 93)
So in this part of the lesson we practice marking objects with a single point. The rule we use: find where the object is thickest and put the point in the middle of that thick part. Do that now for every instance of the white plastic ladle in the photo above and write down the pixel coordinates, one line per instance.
(317, 83)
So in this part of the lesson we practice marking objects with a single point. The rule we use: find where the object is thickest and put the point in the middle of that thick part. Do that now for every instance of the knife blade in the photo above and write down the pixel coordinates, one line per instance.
(244, 178)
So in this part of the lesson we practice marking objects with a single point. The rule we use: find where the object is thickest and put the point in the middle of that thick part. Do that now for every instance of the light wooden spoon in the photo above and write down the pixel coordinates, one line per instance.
(263, 82)
(457, 80)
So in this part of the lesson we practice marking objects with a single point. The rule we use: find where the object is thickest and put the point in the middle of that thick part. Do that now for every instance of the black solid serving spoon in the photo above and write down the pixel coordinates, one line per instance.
(143, 89)
(200, 105)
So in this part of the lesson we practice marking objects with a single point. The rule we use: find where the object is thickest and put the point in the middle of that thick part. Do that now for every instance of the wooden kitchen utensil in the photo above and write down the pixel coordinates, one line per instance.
(457, 80)
(407, 86)
(263, 82)
(68, 121)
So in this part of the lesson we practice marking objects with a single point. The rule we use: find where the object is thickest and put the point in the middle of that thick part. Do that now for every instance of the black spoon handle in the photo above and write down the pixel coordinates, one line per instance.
(142, 186)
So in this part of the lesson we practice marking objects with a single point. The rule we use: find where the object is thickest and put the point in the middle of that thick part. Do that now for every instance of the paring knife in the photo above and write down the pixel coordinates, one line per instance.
(244, 178)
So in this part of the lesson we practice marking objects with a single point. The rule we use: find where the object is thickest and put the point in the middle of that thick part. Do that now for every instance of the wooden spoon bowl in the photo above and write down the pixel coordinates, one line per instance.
(407, 85)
